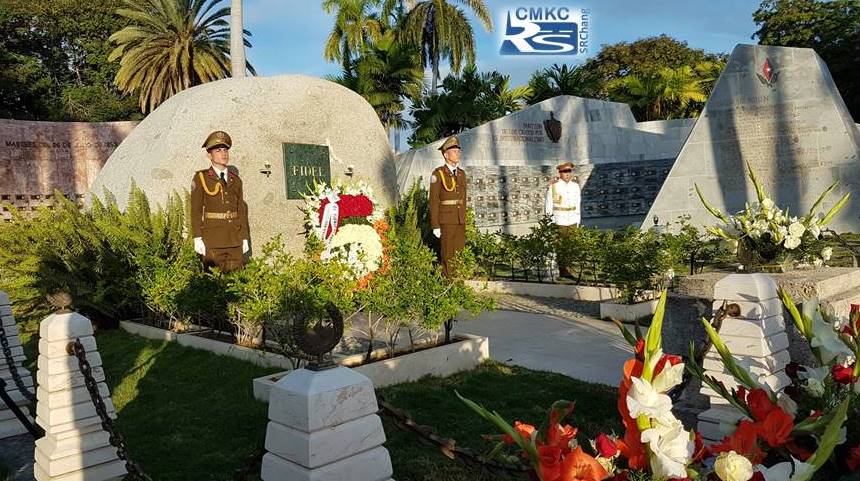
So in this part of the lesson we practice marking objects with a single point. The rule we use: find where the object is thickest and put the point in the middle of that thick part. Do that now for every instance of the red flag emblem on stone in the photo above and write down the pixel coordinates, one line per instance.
(768, 75)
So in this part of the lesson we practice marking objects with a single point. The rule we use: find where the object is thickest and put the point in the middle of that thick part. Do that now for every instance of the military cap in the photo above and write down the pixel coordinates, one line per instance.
(218, 138)
(451, 143)
(565, 165)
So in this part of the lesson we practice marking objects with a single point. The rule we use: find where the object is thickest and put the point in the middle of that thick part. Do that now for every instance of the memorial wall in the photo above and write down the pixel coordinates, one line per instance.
(777, 109)
(38, 157)
(620, 163)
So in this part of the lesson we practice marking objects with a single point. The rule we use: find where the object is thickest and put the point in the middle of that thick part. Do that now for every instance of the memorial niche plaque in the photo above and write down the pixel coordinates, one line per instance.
(305, 164)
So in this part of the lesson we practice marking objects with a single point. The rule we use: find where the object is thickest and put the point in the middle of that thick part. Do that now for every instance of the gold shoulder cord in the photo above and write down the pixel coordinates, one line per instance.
(206, 188)
(445, 185)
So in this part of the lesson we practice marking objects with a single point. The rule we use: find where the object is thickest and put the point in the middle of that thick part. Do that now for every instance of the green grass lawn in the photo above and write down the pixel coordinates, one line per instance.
(190, 415)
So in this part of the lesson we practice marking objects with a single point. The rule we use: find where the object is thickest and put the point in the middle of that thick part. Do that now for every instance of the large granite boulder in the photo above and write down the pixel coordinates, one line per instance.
(261, 114)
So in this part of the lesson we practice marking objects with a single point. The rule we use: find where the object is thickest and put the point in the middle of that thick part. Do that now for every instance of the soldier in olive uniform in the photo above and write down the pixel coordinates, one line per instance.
(219, 215)
(448, 202)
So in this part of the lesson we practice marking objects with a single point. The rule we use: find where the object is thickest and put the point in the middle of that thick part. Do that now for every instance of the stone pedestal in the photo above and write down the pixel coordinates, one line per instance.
(323, 426)
(9, 424)
(756, 338)
(75, 447)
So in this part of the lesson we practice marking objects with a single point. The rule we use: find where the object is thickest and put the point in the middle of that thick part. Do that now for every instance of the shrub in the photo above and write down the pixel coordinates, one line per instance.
(635, 261)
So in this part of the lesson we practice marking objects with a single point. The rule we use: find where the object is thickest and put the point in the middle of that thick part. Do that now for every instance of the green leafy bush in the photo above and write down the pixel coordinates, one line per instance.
(635, 261)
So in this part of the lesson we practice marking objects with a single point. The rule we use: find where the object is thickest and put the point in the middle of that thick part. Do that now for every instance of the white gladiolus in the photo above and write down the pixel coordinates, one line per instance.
(815, 229)
(672, 449)
(669, 377)
(814, 387)
(826, 253)
(767, 204)
(644, 399)
(777, 472)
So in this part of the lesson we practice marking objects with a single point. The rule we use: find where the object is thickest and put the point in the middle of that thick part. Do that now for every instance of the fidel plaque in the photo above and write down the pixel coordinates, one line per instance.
(305, 164)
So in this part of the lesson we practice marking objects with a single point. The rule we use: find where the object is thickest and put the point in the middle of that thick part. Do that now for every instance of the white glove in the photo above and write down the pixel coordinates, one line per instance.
(245, 246)
(437, 233)
(199, 246)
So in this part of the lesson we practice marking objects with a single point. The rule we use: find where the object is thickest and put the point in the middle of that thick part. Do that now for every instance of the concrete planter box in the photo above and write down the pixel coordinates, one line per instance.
(466, 353)
(628, 312)
(537, 289)
(254, 356)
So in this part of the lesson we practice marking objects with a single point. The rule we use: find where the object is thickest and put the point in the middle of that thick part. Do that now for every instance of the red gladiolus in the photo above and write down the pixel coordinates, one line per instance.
(854, 315)
(561, 436)
(700, 451)
(853, 461)
(579, 466)
(605, 446)
(550, 462)
(776, 427)
(802, 447)
(760, 404)
(671, 359)
(843, 374)
(525, 430)
(640, 349)
(742, 394)
(632, 448)
(743, 441)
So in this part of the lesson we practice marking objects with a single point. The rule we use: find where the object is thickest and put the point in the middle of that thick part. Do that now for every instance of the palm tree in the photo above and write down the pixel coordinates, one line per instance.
(386, 74)
(355, 26)
(666, 93)
(562, 80)
(465, 101)
(169, 46)
(237, 39)
(442, 30)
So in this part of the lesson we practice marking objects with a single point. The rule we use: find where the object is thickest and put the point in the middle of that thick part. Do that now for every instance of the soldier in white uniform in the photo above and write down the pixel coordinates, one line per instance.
(563, 205)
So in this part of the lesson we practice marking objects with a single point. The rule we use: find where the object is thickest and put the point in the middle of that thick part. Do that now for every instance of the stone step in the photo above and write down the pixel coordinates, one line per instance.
(372, 465)
(111, 471)
(840, 304)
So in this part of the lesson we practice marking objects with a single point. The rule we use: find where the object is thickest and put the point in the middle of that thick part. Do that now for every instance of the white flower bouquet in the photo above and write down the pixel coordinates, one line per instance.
(767, 236)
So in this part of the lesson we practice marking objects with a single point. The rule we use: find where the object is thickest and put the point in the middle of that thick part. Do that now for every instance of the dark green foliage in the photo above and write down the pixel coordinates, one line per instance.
(53, 61)
(562, 80)
(466, 101)
(635, 261)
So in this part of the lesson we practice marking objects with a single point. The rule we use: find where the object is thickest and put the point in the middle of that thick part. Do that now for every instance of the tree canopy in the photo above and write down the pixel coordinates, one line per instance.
(54, 61)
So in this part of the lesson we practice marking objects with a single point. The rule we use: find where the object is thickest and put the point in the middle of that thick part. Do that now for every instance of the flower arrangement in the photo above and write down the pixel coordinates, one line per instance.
(766, 235)
(346, 218)
(774, 441)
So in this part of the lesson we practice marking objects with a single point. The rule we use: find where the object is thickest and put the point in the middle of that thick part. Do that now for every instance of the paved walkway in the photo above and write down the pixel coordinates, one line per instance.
(555, 335)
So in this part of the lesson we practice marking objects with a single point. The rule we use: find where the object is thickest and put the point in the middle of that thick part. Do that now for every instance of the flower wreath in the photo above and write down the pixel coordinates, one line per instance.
(346, 218)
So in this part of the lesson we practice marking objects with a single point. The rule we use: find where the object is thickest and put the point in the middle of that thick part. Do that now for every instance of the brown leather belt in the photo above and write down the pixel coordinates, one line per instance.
(451, 202)
(564, 209)
(221, 215)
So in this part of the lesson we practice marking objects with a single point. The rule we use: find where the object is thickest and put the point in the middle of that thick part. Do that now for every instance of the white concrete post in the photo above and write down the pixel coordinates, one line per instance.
(323, 426)
(9, 424)
(756, 338)
(75, 447)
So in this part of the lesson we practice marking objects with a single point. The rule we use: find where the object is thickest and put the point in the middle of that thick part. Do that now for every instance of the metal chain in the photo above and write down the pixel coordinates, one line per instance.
(13, 368)
(134, 472)
(448, 446)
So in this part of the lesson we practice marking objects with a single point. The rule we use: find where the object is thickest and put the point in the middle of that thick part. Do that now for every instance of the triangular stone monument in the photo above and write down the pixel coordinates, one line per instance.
(778, 109)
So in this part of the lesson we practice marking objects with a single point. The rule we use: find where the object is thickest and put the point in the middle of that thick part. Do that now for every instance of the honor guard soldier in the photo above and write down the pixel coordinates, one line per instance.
(448, 203)
(563, 205)
(219, 215)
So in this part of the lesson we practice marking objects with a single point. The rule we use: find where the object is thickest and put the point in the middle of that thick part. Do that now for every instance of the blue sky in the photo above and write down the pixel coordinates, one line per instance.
(288, 35)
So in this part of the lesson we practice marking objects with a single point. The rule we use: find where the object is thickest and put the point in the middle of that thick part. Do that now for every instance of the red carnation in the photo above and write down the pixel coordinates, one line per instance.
(843, 374)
